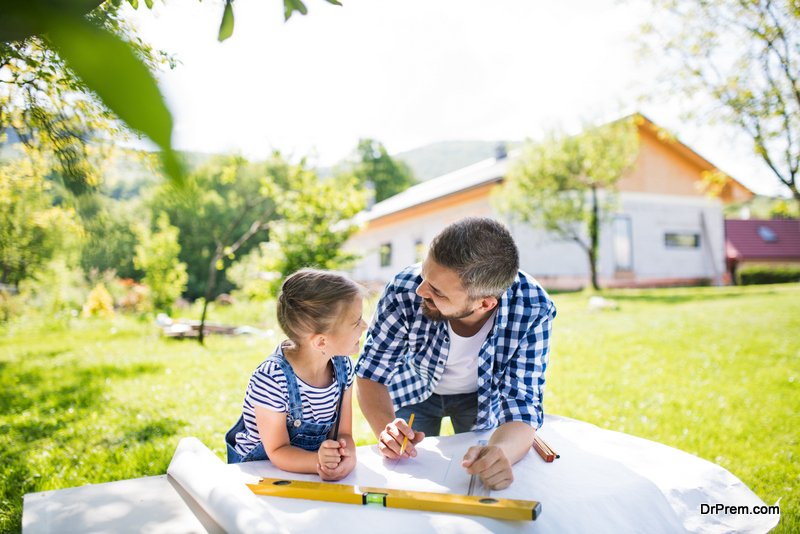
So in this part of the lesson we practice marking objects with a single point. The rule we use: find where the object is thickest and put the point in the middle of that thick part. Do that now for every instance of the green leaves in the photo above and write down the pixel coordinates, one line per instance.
(226, 26)
(736, 61)
(110, 68)
(554, 183)
(290, 6)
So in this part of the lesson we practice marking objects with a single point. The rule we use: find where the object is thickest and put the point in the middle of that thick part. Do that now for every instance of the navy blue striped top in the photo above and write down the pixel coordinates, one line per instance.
(267, 388)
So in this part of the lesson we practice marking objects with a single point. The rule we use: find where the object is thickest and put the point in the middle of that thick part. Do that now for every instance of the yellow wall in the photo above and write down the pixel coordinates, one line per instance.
(663, 166)
(669, 167)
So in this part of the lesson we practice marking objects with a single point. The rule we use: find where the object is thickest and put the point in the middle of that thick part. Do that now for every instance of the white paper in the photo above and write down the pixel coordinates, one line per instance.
(223, 496)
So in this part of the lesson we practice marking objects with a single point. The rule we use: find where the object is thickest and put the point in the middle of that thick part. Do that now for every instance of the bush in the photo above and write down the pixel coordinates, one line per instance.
(100, 302)
(47, 300)
(768, 275)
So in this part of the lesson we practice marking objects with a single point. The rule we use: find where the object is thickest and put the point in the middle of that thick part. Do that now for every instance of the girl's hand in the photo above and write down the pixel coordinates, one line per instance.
(345, 467)
(329, 453)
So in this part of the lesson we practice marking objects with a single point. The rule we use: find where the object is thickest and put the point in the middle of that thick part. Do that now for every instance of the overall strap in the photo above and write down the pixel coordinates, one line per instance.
(340, 368)
(295, 409)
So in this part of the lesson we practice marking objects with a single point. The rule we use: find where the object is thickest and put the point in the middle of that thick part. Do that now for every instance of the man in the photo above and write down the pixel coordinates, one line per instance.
(464, 334)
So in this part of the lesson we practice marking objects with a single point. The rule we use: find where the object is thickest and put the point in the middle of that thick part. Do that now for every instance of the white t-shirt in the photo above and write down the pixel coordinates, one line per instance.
(461, 372)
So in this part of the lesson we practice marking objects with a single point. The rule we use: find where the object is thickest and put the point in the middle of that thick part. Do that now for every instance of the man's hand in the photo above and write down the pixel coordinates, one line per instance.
(491, 464)
(329, 453)
(391, 440)
(345, 466)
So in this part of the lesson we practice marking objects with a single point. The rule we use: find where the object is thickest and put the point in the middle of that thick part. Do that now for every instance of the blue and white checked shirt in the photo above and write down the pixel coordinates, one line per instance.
(408, 352)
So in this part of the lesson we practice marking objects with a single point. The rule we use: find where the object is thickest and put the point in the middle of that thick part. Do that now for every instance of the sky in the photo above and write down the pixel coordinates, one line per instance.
(409, 73)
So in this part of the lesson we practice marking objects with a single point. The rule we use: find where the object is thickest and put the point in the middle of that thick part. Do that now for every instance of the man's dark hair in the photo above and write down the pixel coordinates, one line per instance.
(481, 251)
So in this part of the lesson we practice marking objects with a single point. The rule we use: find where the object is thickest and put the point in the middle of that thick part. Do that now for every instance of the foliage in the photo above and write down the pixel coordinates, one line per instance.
(62, 93)
(754, 274)
(91, 53)
(31, 229)
(256, 274)
(125, 409)
(100, 302)
(763, 208)
(108, 242)
(134, 299)
(48, 298)
(313, 226)
(204, 209)
(554, 185)
(743, 55)
(373, 165)
(157, 255)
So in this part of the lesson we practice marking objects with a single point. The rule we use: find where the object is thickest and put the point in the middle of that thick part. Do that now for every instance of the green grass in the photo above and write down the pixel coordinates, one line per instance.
(713, 372)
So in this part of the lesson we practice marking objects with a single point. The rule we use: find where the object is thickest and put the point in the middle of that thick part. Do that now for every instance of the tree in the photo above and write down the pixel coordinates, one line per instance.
(100, 58)
(221, 198)
(66, 85)
(374, 165)
(157, 255)
(744, 57)
(219, 208)
(31, 228)
(108, 244)
(315, 220)
(566, 184)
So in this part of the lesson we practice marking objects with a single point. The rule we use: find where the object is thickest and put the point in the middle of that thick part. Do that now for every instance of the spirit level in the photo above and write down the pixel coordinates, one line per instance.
(409, 500)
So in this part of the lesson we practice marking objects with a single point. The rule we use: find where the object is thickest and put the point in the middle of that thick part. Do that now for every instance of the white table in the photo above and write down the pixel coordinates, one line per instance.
(604, 482)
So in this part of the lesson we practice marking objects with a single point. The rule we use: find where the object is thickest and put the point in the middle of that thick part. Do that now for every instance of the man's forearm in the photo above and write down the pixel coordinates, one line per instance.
(375, 403)
(515, 438)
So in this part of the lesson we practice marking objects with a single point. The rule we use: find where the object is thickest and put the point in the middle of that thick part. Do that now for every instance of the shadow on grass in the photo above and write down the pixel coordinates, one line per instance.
(57, 389)
(56, 399)
(163, 428)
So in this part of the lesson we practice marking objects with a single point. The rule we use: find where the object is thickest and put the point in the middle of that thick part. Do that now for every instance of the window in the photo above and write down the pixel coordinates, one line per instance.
(419, 250)
(767, 234)
(623, 248)
(386, 254)
(682, 240)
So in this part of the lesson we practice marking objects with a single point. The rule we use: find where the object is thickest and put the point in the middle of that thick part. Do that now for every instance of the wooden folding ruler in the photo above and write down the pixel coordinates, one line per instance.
(477, 503)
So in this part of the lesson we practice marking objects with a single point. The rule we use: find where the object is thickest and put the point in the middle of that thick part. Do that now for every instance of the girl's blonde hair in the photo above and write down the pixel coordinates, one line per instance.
(313, 301)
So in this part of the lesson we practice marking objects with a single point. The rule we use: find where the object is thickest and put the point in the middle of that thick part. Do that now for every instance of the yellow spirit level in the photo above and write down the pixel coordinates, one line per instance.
(410, 500)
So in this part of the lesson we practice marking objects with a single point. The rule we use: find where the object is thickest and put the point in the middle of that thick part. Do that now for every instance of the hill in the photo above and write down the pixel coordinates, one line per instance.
(436, 159)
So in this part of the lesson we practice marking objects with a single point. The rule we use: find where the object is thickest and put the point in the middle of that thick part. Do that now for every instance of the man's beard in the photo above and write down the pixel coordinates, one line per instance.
(438, 317)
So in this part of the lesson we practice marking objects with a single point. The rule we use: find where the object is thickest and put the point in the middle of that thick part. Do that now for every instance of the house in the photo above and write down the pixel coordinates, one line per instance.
(666, 231)
(773, 243)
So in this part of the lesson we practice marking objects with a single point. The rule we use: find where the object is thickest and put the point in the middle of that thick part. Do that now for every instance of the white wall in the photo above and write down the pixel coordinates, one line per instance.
(544, 256)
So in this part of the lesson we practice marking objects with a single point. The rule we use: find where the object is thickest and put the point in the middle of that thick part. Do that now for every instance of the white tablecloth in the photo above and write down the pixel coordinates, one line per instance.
(604, 482)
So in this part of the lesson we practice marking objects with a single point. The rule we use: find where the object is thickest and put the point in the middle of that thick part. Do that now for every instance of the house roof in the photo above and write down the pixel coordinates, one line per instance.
(476, 175)
(762, 239)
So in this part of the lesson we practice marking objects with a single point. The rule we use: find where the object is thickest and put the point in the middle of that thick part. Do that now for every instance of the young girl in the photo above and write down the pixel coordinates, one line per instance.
(292, 402)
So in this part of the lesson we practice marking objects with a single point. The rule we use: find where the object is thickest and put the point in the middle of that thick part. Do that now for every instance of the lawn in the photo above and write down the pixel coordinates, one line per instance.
(714, 372)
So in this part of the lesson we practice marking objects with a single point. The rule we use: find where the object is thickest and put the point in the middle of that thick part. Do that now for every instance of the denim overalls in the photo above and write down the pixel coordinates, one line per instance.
(305, 435)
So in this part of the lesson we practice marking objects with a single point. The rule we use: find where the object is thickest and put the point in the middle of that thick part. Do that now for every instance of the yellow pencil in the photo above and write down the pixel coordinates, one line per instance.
(405, 439)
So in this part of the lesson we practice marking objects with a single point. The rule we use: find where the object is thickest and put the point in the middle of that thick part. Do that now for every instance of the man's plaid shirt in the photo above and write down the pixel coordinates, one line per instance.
(408, 352)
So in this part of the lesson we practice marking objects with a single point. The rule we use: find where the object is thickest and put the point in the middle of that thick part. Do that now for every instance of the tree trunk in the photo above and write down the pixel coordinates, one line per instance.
(212, 282)
(6, 270)
(594, 237)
